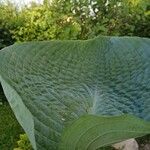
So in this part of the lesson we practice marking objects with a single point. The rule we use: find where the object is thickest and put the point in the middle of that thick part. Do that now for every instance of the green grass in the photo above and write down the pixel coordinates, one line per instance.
(9, 128)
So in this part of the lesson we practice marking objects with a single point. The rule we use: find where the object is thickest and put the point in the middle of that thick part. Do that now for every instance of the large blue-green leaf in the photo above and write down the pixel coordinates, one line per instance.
(49, 85)
(91, 132)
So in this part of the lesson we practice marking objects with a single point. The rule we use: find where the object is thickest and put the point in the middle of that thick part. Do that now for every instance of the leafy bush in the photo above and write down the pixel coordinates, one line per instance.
(76, 20)
(7, 23)
(5, 38)
(61, 19)
(74, 94)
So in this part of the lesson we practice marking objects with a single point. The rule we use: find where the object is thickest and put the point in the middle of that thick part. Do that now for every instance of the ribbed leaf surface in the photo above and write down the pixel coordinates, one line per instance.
(49, 85)
(91, 132)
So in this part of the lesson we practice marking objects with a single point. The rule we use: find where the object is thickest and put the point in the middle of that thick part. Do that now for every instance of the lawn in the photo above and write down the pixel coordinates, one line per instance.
(9, 127)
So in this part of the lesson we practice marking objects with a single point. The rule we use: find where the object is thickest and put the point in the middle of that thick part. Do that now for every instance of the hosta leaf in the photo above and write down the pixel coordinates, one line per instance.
(91, 132)
(49, 85)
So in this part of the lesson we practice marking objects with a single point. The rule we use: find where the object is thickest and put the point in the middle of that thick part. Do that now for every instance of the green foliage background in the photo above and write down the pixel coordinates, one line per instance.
(66, 19)
(73, 19)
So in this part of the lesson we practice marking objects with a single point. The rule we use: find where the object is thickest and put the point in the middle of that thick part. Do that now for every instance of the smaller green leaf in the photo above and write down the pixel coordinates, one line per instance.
(92, 132)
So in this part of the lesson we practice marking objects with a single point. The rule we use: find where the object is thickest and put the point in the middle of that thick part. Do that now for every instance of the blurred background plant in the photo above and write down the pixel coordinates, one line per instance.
(73, 19)
(65, 19)
(23, 143)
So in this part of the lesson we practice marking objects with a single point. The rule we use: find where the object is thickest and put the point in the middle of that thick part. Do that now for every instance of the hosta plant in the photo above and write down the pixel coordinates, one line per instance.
(79, 95)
